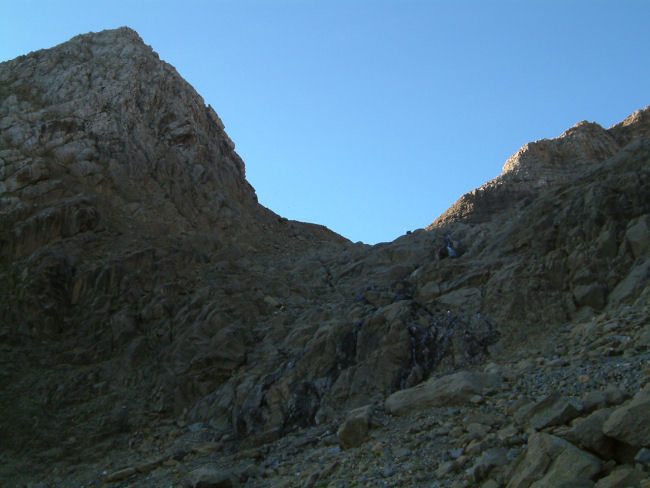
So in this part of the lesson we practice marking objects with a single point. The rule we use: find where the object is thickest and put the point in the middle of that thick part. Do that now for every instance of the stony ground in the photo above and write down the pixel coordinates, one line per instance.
(475, 440)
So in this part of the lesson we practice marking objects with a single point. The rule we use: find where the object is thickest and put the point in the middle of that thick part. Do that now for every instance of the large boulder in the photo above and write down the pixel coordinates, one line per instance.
(554, 409)
(550, 462)
(454, 389)
(588, 434)
(630, 423)
(354, 430)
(211, 477)
(638, 236)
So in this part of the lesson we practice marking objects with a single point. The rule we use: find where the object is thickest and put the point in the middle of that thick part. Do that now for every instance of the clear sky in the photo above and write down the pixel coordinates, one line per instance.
(373, 117)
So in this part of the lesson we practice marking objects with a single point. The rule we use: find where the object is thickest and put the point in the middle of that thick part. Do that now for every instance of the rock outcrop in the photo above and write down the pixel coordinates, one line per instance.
(543, 164)
(153, 314)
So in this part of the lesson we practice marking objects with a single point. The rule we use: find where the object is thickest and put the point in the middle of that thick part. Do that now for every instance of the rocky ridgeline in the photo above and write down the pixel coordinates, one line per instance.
(547, 162)
(161, 328)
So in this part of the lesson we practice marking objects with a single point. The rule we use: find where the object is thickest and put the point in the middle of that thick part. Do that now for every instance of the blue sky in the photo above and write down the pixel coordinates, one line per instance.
(373, 117)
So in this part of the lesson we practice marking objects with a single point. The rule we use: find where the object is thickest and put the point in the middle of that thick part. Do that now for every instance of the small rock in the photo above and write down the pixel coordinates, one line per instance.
(477, 431)
(509, 435)
(491, 458)
(643, 456)
(121, 474)
(354, 430)
(493, 368)
(388, 471)
(455, 453)
(576, 483)
(148, 465)
(211, 477)
(206, 448)
(476, 446)
(251, 471)
(600, 399)
(446, 468)
(456, 432)
(490, 484)
(622, 477)
(638, 236)
(559, 362)
(592, 295)
(271, 301)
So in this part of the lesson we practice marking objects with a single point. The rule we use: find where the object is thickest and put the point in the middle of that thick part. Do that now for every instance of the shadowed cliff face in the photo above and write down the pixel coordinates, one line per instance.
(126, 218)
(141, 282)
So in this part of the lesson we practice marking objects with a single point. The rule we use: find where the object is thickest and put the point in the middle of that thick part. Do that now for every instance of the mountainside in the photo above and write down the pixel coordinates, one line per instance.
(160, 327)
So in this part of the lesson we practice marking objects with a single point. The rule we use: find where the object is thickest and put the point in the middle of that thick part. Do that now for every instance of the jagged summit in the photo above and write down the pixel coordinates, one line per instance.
(113, 40)
(545, 163)
(158, 327)
(102, 121)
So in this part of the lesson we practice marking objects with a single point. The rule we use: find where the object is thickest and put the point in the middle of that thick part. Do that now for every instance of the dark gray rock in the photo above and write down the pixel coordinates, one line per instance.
(551, 461)
(456, 389)
(211, 477)
(487, 461)
(588, 434)
(630, 423)
(555, 409)
(354, 430)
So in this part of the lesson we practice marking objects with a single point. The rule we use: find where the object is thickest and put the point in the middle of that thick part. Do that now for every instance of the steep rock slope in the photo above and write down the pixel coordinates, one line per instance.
(126, 225)
(146, 296)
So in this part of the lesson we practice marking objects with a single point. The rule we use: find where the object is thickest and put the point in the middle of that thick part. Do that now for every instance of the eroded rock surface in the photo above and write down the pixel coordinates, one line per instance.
(160, 327)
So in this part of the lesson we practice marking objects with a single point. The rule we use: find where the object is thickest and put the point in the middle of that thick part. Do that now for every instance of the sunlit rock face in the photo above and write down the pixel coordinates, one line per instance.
(102, 117)
(544, 164)
(147, 299)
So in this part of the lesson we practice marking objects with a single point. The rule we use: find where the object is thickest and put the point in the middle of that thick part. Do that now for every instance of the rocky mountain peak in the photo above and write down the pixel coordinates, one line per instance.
(104, 123)
(546, 163)
(158, 327)
(633, 127)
